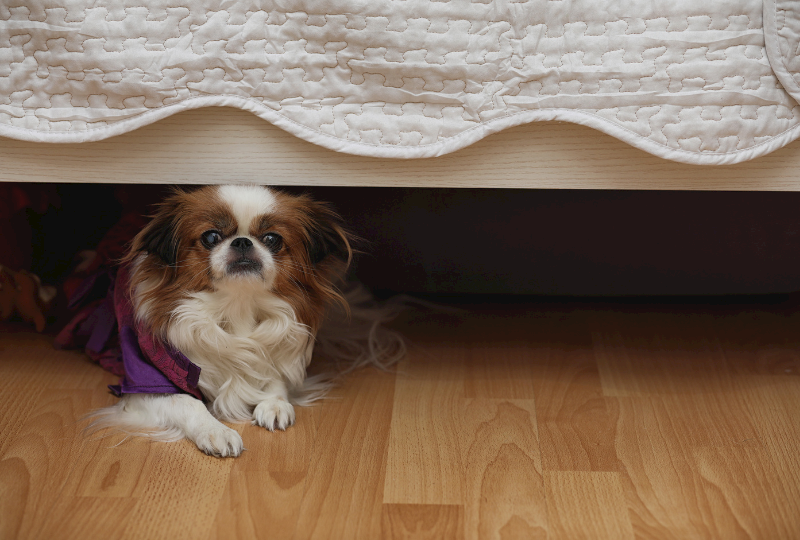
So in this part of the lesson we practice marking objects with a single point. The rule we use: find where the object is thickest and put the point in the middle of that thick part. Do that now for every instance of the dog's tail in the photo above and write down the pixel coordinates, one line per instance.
(353, 338)
(129, 420)
(358, 337)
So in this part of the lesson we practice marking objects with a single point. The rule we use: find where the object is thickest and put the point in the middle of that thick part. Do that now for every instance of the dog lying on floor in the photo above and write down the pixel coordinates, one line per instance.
(219, 304)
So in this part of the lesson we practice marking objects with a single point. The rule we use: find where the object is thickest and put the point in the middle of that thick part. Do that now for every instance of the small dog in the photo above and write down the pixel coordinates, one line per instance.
(237, 279)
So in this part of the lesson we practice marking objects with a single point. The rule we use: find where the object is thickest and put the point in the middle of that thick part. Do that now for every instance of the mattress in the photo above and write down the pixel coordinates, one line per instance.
(714, 82)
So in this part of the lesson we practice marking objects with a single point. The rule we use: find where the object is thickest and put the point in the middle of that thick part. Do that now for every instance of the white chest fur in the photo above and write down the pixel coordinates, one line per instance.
(243, 343)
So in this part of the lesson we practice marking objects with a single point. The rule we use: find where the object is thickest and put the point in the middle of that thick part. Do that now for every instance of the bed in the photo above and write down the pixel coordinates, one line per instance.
(386, 83)
(423, 94)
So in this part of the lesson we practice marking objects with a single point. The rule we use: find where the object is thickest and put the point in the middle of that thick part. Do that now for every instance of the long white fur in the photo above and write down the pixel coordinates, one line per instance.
(249, 347)
(357, 337)
(169, 417)
(251, 350)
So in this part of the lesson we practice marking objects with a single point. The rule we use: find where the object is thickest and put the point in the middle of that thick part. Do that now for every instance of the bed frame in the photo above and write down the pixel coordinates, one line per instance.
(215, 145)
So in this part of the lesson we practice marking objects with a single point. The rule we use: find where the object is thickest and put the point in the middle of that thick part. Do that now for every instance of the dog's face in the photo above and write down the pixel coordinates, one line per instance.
(242, 237)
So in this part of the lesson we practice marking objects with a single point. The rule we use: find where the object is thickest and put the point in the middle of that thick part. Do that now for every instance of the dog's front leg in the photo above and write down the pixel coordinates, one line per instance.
(184, 414)
(274, 411)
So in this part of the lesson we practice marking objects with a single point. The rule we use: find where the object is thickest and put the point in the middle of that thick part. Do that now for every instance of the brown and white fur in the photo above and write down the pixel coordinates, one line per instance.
(238, 279)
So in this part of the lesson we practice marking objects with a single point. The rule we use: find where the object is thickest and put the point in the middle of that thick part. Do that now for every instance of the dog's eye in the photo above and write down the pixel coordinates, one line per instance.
(211, 239)
(273, 241)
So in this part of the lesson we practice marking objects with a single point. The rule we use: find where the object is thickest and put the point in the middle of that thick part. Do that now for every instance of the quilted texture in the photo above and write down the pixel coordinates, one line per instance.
(685, 80)
(782, 36)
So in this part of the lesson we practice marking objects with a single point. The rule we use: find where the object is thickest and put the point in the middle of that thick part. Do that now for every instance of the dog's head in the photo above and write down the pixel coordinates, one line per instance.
(242, 238)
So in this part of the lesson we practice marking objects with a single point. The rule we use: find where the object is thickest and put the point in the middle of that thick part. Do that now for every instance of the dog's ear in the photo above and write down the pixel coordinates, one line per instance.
(160, 236)
(327, 237)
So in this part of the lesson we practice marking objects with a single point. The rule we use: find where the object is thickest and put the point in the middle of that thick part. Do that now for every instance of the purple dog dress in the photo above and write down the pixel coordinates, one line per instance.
(106, 327)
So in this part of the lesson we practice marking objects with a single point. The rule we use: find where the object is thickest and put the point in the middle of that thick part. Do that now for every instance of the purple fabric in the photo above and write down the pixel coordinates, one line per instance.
(102, 324)
(149, 365)
(141, 377)
(142, 351)
(92, 288)
(95, 323)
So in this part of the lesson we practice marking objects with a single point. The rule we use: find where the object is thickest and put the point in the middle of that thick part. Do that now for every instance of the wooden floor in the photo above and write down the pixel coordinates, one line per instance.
(559, 420)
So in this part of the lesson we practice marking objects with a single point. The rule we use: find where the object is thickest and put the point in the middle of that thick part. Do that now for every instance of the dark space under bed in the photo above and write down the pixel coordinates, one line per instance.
(503, 241)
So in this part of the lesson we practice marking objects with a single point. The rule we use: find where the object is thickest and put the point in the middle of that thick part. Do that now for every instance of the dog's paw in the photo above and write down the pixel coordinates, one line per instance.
(219, 441)
(276, 413)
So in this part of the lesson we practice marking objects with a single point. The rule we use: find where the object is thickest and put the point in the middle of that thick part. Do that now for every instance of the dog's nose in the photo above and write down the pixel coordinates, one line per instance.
(242, 244)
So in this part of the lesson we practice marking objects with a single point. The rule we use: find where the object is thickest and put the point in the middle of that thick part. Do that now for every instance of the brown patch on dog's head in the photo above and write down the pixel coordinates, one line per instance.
(166, 255)
(316, 256)
(172, 257)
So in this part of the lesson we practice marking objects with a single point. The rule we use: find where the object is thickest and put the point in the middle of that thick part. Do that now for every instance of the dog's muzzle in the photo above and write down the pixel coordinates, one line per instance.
(242, 260)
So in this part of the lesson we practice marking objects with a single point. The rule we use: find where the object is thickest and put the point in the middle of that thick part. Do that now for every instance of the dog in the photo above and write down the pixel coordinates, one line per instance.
(237, 280)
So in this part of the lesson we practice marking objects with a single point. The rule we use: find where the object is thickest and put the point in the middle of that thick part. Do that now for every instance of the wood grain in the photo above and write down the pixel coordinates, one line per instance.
(259, 504)
(551, 420)
(577, 423)
(214, 145)
(344, 485)
(754, 492)
(264, 492)
(424, 464)
(502, 470)
(587, 505)
(422, 521)
(49, 439)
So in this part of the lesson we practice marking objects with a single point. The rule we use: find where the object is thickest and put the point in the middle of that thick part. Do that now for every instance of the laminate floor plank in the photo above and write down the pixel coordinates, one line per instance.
(743, 486)
(259, 504)
(82, 518)
(36, 459)
(664, 491)
(503, 486)
(343, 495)
(576, 422)
(499, 370)
(547, 420)
(424, 460)
(31, 368)
(595, 496)
(179, 495)
(264, 492)
(422, 521)
(764, 349)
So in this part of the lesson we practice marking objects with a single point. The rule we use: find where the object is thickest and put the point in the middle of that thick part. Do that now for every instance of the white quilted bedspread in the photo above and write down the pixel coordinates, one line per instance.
(711, 82)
